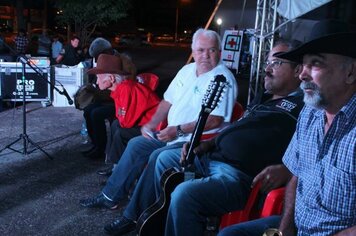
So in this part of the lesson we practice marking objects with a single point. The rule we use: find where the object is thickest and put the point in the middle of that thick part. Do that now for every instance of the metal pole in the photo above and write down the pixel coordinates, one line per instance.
(176, 31)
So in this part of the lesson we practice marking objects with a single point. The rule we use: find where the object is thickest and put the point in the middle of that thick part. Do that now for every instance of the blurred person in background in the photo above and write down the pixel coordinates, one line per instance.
(70, 55)
(56, 48)
(21, 42)
(44, 44)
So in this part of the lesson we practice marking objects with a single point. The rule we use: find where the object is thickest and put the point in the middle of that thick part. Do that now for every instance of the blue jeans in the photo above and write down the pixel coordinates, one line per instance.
(131, 165)
(148, 187)
(223, 190)
(251, 228)
(118, 140)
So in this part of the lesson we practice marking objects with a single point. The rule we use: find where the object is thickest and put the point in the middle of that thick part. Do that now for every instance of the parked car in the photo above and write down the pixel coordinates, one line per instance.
(164, 38)
(131, 40)
(38, 31)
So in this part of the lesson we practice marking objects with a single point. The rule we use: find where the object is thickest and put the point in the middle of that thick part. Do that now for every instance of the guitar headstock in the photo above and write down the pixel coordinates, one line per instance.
(214, 93)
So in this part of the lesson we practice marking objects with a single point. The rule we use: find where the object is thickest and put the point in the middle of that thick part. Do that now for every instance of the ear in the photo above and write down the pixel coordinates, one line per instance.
(351, 76)
(112, 78)
(297, 70)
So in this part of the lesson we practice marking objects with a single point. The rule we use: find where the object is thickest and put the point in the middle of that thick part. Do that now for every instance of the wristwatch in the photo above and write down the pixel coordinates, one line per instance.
(180, 132)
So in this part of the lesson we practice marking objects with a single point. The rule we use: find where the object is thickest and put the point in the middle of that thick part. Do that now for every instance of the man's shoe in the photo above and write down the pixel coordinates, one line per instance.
(88, 150)
(120, 226)
(105, 172)
(98, 201)
(95, 154)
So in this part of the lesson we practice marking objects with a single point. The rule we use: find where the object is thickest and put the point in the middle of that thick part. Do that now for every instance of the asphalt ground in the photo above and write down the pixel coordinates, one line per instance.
(40, 196)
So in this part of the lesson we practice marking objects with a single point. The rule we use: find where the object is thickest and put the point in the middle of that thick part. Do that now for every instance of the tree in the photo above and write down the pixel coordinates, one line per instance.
(87, 15)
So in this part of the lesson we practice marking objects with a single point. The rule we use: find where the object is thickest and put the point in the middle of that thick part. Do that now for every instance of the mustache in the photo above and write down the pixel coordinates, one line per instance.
(268, 74)
(308, 85)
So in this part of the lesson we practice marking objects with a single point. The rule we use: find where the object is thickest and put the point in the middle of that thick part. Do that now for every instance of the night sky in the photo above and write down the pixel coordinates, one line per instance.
(160, 15)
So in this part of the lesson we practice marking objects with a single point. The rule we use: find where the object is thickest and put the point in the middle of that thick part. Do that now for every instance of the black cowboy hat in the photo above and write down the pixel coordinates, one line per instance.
(327, 36)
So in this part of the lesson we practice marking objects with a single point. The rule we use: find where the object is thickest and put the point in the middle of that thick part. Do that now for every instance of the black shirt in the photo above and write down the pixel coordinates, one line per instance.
(261, 137)
(71, 57)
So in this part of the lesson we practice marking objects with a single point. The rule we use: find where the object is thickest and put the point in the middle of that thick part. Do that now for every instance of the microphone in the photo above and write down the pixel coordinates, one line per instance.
(65, 93)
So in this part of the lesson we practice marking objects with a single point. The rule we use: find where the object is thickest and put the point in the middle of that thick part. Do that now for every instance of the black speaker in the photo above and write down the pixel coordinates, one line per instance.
(37, 87)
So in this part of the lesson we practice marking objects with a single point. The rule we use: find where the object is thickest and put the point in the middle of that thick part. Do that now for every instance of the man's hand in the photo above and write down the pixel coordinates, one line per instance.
(272, 177)
(148, 129)
(201, 149)
(167, 134)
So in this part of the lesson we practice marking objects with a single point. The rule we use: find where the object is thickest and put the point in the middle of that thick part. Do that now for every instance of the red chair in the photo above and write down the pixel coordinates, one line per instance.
(273, 205)
(237, 112)
(149, 79)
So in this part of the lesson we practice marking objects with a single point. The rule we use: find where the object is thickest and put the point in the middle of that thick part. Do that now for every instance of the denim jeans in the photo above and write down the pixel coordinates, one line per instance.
(148, 187)
(251, 228)
(130, 166)
(117, 141)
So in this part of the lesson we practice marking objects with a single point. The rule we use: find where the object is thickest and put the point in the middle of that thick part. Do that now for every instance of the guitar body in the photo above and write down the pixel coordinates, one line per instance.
(153, 220)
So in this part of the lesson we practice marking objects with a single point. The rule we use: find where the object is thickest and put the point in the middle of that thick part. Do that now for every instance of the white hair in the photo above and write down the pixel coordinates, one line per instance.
(207, 33)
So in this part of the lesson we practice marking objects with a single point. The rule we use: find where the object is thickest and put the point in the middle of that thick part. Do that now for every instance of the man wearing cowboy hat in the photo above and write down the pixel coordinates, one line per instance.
(135, 103)
(98, 106)
(321, 195)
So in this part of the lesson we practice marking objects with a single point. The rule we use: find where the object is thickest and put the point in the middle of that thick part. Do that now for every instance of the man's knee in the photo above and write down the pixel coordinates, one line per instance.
(136, 142)
(181, 196)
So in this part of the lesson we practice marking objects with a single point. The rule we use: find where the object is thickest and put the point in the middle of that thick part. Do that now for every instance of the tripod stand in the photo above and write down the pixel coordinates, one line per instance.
(24, 137)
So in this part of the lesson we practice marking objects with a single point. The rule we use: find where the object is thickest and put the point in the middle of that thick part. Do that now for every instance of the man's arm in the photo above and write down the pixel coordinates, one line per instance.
(272, 177)
(347, 232)
(159, 116)
(59, 58)
(211, 123)
(170, 132)
(287, 226)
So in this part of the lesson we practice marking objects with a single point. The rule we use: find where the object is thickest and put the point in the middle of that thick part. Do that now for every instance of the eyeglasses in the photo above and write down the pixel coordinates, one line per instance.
(209, 50)
(274, 64)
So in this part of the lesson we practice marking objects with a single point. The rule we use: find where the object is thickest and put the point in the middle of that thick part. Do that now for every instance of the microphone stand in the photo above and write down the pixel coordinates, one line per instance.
(26, 139)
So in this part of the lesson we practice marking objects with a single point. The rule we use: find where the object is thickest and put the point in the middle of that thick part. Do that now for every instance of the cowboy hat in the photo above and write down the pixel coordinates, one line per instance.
(108, 64)
(327, 36)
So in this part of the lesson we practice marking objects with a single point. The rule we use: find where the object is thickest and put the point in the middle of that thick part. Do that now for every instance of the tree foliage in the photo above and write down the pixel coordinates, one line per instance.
(87, 15)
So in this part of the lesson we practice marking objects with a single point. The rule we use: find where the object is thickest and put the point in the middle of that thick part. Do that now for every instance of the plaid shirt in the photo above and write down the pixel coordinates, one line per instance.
(21, 44)
(325, 165)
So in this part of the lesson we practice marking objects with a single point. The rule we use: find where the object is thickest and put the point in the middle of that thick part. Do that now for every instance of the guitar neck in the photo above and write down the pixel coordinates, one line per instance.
(211, 100)
(195, 139)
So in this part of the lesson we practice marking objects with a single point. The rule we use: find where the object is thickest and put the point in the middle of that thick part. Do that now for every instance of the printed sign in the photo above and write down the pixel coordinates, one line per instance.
(231, 48)
(14, 86)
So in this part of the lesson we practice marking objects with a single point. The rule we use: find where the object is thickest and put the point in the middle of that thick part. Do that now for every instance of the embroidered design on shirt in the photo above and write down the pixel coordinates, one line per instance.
(180, 83)
(196, 90)
(121, 111)
(286, 105)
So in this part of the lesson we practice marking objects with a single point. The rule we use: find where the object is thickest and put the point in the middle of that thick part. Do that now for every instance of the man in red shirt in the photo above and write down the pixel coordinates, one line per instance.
(134, 103)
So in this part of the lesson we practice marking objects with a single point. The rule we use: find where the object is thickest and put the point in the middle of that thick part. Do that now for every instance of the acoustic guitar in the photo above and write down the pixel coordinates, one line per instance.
(153, 220)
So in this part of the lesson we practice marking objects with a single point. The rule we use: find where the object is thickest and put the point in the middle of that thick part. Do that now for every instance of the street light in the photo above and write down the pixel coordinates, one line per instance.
(219, 22)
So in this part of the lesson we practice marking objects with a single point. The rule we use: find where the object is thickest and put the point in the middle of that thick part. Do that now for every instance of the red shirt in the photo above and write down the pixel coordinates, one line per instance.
(135, 103)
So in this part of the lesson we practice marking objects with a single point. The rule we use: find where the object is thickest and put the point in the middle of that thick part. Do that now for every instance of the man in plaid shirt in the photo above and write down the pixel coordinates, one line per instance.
(21, 42)
(321, 195)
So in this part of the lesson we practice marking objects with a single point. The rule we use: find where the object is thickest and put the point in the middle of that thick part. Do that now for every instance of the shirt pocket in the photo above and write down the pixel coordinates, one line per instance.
(339, 192)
